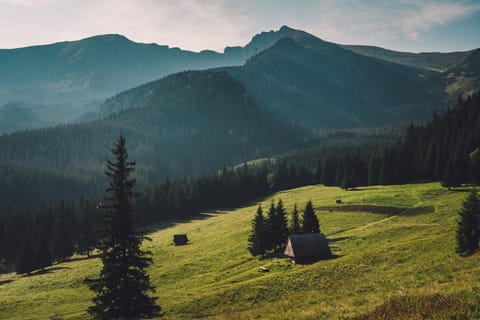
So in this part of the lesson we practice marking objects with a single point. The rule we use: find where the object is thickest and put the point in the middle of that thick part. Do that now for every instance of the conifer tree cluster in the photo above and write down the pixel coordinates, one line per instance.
(270, 233)
(34, 239)
(468, 229)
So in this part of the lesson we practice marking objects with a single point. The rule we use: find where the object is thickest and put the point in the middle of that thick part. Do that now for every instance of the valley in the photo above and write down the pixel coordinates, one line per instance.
(113, 145)
(378, 256)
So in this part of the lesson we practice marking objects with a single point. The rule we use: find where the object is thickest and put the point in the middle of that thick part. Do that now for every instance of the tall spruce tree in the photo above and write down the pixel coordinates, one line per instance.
(310, 221)
(270, 223)
(468, 229)
(295, 225)
(122, 290)
(256, 239)
(281, 227)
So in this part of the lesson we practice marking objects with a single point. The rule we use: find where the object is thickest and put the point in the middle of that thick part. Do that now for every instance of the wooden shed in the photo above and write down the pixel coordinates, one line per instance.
(307, 247)
(180, 239)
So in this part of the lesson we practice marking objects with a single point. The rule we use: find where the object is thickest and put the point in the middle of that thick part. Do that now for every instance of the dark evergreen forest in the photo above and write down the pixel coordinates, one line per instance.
(446, 148)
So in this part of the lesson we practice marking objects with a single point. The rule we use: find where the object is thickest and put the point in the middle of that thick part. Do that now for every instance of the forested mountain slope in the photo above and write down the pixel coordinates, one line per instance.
(308, 79)
(321, 85)
(75, 77)
(188, 123)
(465, 77)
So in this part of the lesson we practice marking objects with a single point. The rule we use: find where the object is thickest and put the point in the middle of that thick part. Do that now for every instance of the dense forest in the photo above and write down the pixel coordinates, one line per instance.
(445, 149)
(190, 124)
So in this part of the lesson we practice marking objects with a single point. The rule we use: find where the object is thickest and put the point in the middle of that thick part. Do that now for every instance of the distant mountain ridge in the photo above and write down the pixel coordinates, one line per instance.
(192, 122)
(189, 123)
(436, 61)
(73, 78)
(322, 85)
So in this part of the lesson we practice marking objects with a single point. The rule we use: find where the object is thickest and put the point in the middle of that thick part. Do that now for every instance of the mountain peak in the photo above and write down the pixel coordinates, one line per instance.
(110, 37)
(285, 28)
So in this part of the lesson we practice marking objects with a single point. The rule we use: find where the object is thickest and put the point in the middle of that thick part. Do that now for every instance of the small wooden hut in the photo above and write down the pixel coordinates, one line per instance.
(307, 247)
(180, 239)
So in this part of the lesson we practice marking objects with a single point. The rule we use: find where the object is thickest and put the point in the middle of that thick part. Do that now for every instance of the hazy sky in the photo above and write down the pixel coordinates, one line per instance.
(409, 25)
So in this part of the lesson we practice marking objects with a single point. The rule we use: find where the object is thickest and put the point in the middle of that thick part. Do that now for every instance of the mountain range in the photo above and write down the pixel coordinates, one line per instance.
(326, 84)
(270, 96)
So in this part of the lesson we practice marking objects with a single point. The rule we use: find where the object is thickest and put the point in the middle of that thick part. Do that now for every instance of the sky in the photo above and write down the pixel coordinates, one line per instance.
(404, 25)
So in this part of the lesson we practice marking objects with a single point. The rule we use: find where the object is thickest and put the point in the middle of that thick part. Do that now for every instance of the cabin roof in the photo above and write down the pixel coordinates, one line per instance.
(304, 246)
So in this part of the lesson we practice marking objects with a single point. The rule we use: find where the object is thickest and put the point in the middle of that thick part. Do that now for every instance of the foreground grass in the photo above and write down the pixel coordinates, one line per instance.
(394, 253)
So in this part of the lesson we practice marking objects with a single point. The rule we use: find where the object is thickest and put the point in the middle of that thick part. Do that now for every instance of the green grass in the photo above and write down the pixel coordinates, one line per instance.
(399, 257)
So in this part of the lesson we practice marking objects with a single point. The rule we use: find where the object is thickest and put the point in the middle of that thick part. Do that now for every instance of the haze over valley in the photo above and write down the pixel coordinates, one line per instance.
(228, 160)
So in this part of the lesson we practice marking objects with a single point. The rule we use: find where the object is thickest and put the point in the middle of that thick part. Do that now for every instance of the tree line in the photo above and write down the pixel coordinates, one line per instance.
(427, 152)
(445, 149)
(34, 239)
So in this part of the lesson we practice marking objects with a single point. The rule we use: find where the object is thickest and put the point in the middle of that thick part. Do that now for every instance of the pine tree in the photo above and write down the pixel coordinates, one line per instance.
(468, 228)
(310, 221)
(270, 223)
(256, 240)
(281, 228)
(295, 226)
(121, 292)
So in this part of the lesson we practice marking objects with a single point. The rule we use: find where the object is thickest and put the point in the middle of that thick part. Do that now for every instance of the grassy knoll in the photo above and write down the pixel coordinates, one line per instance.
(394, 248)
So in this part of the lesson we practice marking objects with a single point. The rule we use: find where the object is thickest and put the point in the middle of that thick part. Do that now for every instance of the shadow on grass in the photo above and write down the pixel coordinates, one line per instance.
(44, 271)
(304, 262)
(2, 282)
(207, 214)
(415, 211)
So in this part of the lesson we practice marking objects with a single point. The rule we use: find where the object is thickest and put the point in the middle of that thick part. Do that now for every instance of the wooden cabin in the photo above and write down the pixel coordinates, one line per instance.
(307, 247)
(180, 239)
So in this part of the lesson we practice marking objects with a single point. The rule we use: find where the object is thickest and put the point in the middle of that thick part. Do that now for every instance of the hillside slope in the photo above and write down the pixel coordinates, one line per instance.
(436, 61)
(93, 67)
(74, 77)
(186, 124)
(393, 242)
(322, 85)
(465, 77)
(341, 82)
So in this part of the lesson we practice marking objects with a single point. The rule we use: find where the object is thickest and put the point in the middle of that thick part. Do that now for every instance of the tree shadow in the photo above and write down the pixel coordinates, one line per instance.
(415, 211)
(2, 282)
(312, 261)
(157, 226)
(44, 271)
(204, 215)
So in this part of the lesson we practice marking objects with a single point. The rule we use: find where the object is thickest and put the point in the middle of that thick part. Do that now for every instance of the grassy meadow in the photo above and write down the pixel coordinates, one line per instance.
(394, 250)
